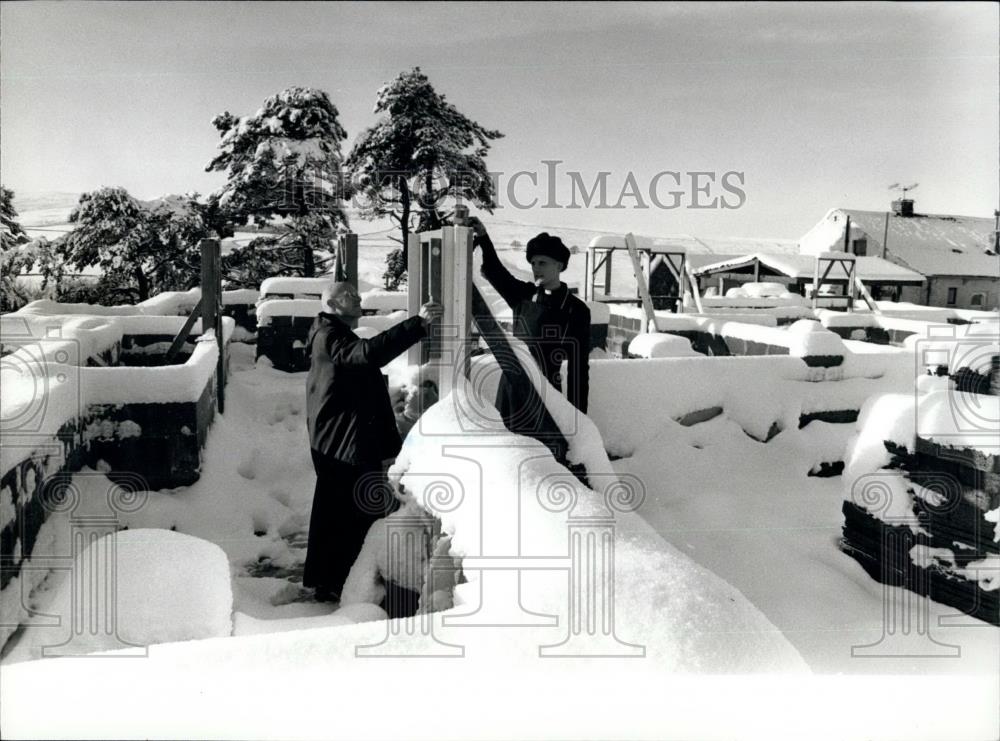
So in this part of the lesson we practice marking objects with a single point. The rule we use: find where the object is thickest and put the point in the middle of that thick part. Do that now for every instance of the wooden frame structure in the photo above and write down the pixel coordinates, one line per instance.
(439, 268)
(826, 262)
(645, 260)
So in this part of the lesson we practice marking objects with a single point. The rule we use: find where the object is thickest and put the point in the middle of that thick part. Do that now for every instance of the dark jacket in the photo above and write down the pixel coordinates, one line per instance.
(555, 326)
(347, 402)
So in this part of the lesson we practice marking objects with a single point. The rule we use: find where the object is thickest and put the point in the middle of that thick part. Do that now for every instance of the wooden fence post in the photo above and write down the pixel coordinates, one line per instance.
(211, 308)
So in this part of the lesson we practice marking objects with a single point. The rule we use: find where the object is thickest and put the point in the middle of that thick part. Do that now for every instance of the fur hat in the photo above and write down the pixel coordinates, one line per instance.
(550, 246)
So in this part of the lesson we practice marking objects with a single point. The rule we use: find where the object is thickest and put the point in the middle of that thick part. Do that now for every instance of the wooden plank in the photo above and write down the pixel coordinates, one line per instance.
(695, 290)
(640, 279)
(182, 336)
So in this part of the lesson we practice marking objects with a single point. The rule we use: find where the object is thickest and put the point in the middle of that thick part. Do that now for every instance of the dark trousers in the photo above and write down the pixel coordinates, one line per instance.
(347, 500)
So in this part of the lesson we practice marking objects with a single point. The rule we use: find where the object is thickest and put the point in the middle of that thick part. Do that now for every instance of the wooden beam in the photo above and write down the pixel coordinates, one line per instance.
(866, 295)
(695, 289)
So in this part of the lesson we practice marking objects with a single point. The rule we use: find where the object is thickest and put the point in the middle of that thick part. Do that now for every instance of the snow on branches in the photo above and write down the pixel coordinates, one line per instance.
(283, 162)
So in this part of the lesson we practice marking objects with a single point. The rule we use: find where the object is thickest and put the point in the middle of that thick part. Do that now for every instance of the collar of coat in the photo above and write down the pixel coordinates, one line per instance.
(560, 295)
(333, 321)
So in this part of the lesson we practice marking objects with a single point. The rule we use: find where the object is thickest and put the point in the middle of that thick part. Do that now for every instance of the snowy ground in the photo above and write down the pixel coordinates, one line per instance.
(748, 512)
(757, 520)
(252, 500)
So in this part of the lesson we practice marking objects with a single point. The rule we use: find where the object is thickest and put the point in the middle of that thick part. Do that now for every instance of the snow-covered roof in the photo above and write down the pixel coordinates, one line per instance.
(932, 244)
(798, 267)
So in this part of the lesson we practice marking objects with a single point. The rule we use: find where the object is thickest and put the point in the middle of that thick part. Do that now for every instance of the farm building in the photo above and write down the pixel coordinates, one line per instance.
(957, 254)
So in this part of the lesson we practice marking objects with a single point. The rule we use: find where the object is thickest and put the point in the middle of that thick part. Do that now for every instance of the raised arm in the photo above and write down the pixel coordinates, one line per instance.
(380, 349)
(510, 288)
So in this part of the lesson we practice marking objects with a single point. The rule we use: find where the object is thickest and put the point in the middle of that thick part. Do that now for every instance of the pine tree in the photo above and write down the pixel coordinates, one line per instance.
(283, 163)
(421, 151)
(11, 233)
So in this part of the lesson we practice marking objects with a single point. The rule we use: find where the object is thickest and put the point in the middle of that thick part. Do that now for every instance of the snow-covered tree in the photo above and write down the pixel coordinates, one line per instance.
(421, 151)
(283, 163)
(11, 233)
(141, 248)
(14, 258)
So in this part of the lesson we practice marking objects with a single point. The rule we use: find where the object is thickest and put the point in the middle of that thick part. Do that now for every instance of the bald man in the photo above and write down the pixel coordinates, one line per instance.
(351, 431)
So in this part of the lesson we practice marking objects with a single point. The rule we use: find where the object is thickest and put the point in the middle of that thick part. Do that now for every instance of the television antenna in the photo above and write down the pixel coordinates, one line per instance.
(904, 188)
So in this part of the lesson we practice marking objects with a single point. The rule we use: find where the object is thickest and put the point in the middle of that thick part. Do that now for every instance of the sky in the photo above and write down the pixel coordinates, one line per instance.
(807, 106)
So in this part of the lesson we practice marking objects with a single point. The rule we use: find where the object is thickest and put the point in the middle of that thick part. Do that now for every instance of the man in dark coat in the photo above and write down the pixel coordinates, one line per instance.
(553, 323)
(351, 431)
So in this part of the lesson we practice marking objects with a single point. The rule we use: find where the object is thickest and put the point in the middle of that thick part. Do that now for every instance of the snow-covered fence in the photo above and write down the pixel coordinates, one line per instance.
(722, 335)
(238, 304)
(922, 497)
(897, 324)
(632, 400)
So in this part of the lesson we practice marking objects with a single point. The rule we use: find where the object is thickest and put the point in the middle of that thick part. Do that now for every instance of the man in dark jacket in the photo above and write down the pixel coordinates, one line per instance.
(553, 323)
(351, 431)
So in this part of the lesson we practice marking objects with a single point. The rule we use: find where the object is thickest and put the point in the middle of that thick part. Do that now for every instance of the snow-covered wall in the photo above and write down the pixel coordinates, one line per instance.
(922, 494)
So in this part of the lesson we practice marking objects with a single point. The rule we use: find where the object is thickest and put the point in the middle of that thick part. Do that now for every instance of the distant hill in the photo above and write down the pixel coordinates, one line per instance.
(44, 209)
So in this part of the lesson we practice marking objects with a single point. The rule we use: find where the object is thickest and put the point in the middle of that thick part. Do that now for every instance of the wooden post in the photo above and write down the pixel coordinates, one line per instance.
(847, 234)
(608, 259)
(641, 285)
(414, 291)
(211, 308)
(885, 235)
(586, 275)
(347, 259)
(815, 292)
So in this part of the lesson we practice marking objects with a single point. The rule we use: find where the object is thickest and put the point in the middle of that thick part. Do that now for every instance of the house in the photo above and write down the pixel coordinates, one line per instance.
(956, 254)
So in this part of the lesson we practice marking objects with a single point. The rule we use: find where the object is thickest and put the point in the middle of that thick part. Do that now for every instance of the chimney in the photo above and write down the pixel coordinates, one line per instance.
(903, 207)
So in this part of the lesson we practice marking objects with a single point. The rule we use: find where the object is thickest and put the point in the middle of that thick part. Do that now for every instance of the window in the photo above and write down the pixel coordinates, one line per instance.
(977, 299)
(952, 296)
(860, 247)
